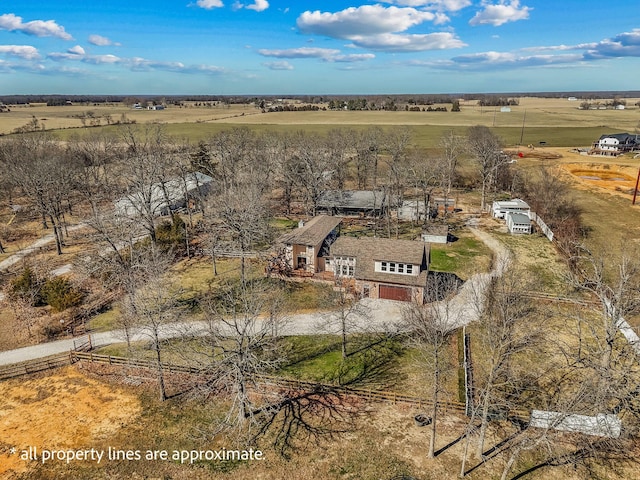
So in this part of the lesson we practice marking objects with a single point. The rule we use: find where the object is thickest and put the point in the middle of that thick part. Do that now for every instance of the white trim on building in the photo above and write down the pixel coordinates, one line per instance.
(500, 209)
(518, 222)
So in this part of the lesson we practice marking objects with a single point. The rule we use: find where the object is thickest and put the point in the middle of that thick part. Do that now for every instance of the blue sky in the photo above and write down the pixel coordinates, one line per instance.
(313, 47)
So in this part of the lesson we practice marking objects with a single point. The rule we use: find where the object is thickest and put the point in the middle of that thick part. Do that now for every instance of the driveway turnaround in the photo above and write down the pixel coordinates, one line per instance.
(371, 316)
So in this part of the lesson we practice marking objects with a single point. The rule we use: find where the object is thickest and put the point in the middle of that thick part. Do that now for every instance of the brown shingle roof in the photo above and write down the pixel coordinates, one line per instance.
(313, 232)
(367, 250)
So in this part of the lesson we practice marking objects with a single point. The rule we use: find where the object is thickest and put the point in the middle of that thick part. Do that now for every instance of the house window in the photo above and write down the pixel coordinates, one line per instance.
(396, 267)
(346, 270)
(344, 266)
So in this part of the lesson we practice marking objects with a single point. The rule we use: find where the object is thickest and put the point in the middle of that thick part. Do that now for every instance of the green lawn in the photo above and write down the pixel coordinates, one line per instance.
(464, 257)
(423, 136)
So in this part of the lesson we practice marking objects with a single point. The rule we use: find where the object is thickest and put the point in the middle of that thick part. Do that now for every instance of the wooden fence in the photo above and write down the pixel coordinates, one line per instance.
(372, 395)
(34, 366)
(65, 359)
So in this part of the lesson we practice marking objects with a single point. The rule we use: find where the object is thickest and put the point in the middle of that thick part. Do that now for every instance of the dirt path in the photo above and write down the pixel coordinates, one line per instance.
(468, 304)
(47, 239)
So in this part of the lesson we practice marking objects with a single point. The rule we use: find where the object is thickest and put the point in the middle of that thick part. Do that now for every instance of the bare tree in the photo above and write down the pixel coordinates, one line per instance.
(430, 328)
(45, 174)
(591, 370)
(287, 170)
(97, 178)
(349, 316)
(23, 294)
(423, 173)
(153, 304)
(241, 321)
(314, 169)
(339, 143)
(145, 170)
(616, 287)
(486, 149)
(240, 219)
(451, 148)
(397, 143)
(368, 146)
(505, 332)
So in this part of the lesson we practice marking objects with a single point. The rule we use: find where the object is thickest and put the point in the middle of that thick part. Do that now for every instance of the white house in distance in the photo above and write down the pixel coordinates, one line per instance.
(615, 144)
(500, 209)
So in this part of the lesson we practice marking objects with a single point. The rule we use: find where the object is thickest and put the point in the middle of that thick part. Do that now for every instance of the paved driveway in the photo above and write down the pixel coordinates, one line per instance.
(373, 316)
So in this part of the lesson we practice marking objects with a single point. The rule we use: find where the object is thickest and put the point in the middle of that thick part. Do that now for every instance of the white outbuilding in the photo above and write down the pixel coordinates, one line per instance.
(500, 209)
(518, 222)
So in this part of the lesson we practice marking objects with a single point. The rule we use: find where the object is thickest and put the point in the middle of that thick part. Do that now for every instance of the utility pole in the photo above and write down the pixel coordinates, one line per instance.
(524, 117)
(635, 190)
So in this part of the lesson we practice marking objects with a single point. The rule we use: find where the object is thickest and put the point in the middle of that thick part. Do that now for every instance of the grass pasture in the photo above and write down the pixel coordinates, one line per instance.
(557, 122)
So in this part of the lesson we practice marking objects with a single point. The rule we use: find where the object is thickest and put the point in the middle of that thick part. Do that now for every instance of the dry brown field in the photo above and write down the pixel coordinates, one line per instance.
(72, 409)
(540, 112)
(534, 112)
(65, 117)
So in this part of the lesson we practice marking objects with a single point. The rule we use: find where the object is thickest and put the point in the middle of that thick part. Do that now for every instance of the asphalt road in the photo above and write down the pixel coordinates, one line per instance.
(372, 315)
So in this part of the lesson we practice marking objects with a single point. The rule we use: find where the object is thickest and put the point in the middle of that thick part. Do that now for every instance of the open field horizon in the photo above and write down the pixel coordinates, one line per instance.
(558, 122)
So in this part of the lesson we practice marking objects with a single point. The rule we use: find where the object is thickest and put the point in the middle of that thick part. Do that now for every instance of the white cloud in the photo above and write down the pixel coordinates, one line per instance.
(325, 54)
(303, 52)
(625, 44)
(363, 20)
(26, 52)
(101, 41)
(393, 42)
(440, 5)
(209, 4)
(258, 5)
(501, 13)
(281, 65)
(39, 28)
(77, 50)
(142, 65)
(208, 69)
(492, 60)
(101, 59)
(380, 28)
(352, 58)
(136, 64)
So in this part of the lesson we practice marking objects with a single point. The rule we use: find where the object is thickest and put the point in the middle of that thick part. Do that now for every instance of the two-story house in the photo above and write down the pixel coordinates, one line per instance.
(306, 247)
(615, 144)
(382, 267)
